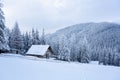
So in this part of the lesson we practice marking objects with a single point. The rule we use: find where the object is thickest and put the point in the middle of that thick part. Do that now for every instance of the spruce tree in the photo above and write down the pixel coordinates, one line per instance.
(43, 38)
(35, 37)
(3, 34)
(16, 39)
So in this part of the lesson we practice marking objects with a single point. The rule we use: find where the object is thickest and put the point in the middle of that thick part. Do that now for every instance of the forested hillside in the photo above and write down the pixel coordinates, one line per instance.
(88, 41)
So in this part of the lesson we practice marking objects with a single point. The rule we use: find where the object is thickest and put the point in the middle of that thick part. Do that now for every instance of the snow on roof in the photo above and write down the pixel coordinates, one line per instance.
(38, 49)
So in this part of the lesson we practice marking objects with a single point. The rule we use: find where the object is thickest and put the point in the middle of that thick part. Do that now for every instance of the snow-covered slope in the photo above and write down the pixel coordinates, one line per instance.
(16, 67)
(96, 33)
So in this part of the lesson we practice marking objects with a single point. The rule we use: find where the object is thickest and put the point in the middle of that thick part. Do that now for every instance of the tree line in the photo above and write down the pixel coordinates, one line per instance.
(22, 42)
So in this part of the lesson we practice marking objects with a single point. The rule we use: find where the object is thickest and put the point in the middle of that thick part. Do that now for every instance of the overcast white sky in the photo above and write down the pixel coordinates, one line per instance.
(55, 14)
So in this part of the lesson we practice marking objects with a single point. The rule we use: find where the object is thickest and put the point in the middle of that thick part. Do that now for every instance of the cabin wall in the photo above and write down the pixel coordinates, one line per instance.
(48, 54)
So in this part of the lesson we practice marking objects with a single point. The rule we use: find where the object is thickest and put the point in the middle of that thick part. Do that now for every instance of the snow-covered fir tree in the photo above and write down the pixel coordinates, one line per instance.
(35, 37)
(16, 38)
(27, 41)
(83, 54)
(73, 47)
(3, 34)
(43, 42)
(63, 51)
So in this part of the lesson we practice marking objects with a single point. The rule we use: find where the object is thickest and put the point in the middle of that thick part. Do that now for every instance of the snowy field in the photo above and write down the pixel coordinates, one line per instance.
(17, 67)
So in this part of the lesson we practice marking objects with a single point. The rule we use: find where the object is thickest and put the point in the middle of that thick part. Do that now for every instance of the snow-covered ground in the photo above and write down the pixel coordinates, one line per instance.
(17, 67)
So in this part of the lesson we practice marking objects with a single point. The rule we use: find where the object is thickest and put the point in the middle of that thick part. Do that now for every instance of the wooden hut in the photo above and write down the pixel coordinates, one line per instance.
(43, 51)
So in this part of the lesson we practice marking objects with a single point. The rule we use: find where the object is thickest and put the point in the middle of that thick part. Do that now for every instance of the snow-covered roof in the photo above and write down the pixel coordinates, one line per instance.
(38, 49)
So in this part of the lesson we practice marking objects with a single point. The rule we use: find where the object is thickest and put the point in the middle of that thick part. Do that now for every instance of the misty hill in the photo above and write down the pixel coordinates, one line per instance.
(101, 37)
(98, 33)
